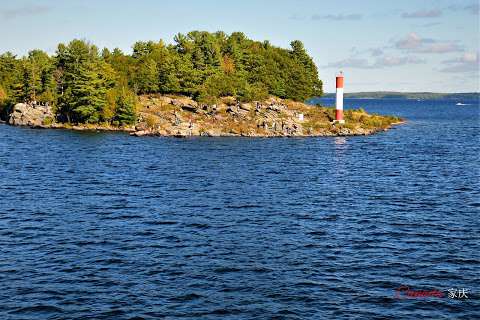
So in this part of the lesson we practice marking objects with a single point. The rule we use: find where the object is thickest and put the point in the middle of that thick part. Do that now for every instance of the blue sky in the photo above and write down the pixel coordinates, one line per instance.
(422, 45)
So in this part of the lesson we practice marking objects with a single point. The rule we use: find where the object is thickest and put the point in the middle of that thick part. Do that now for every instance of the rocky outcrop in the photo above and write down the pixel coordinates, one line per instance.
(180, 116)
(31, 114)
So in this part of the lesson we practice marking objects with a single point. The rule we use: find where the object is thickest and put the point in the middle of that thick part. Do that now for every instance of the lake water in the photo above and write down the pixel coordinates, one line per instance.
(108, 226)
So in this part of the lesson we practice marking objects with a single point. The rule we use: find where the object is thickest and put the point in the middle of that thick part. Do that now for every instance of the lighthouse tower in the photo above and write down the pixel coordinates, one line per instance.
(339, 100)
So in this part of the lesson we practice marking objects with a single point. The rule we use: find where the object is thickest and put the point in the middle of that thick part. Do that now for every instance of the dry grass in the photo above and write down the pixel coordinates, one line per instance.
(159, 114)
(152, 121)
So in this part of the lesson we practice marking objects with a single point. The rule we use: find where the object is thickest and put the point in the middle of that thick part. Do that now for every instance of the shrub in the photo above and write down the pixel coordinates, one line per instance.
(47, 121)
(3, 95)
(152, 121)
(125, 107)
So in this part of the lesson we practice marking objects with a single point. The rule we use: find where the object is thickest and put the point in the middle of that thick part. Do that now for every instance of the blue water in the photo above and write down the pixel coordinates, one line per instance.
(108, 226)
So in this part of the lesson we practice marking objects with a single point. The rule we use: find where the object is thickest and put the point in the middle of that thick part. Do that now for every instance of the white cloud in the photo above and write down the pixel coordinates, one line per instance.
(414, 43)
(297, 17)
(468, 62)
(431, 24)
(376, 52)
(411, 41)
(379, 63)
(422, 14)
(440, 47)
(358, 63)
(392, 61)
(23, 11)
(473, 8)
(338, 17)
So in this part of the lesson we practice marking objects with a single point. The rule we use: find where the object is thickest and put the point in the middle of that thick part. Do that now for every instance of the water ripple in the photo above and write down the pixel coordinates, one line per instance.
(105, 226)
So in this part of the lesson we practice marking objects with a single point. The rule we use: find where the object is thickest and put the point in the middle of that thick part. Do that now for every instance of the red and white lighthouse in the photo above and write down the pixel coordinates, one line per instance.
(339, 100)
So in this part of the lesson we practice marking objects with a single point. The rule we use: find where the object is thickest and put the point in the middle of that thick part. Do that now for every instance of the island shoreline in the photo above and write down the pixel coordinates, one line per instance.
(132, 132)
(181, 116)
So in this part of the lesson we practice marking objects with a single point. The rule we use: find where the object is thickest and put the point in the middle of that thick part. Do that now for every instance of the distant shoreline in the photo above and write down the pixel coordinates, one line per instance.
(406, 95)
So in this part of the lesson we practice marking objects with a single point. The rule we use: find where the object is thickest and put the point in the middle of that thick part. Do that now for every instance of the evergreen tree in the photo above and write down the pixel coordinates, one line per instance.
(125, 107)
(312, 85)
(23, 84)
(3, 95)
(9, 66)
(85, 80)
(106, 55)
(89, 94)
(84, 84)
(146, 79)
(5, 104)
(168, 75)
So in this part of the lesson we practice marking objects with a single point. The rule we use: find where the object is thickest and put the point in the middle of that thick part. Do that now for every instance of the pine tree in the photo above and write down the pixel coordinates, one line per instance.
(311, 86)
(89, 94)
(84, 84)
(8, 71)
(3, 95)
(146, 78)
(85, 79)
(22, 85)
(125, 107)
(168, 76)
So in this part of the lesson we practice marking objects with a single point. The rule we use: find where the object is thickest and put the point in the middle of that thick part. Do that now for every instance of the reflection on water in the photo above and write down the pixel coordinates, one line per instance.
(340, 140)
(340, 143)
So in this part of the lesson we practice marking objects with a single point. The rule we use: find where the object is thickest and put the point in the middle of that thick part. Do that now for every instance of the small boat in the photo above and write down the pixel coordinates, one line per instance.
(461, 104)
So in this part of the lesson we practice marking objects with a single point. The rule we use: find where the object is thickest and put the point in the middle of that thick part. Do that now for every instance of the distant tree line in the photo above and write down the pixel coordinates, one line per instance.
(85, 85)
(409, 95)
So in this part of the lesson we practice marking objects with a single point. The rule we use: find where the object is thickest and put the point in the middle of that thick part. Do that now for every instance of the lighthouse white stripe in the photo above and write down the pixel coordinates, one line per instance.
(339, 99)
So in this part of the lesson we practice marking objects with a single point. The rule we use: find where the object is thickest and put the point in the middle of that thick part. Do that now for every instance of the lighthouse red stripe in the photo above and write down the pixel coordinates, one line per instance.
(338, 114)
(339, 82)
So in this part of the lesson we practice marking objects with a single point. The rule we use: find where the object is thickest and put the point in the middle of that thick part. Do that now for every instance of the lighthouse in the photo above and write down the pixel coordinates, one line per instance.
(339, 99)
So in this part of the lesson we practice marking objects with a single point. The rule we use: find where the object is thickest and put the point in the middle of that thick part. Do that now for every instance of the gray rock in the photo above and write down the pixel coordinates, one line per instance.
(275, 108)
(232, 110)
(30, 115)
(141, 133)
(190, 108)
(246, 106)
(210, 133)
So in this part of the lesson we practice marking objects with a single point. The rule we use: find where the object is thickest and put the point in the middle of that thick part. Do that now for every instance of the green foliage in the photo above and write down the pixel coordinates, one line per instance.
(369, 121)
(3, 94)
(146, 79)
(254, 92)
(125, 107)
(220, 85)
(84, 79)
(47, 121)
(9, 66)
(6, 107)
(5, 104)
(84, 85)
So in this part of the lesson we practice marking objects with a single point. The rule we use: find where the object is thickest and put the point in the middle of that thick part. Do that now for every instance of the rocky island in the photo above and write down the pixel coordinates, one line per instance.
(204, 84)
(182, 117)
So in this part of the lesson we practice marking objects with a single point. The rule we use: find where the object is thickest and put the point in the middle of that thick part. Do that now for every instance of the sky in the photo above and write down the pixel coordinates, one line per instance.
(380, 45)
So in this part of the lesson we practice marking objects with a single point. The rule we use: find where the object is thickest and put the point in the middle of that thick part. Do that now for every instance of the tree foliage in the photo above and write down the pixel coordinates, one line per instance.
(125, 107)
(87, 85)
